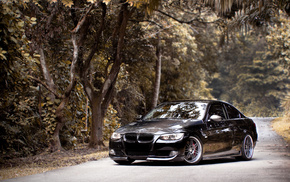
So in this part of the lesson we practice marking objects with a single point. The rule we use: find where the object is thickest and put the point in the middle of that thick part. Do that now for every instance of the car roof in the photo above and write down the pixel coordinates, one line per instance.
(205, 101)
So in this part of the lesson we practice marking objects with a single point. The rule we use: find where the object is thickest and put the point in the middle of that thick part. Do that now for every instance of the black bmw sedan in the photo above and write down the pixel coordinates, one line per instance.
(187, 131)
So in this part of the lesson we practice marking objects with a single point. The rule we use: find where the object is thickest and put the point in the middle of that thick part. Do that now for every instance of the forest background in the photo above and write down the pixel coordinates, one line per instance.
(72, 71)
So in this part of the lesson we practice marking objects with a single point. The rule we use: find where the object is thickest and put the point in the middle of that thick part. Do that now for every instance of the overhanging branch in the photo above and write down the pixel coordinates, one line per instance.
(196, 19)
(47, 87)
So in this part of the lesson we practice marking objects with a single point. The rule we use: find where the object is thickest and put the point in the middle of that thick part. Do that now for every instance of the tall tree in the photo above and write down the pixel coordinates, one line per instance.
(157, 73)
(101, 93)
(100, 99)
(46, 35)
(180, 26)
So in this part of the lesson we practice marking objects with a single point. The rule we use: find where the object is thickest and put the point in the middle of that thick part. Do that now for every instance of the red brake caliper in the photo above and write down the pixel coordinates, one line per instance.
(194, 149)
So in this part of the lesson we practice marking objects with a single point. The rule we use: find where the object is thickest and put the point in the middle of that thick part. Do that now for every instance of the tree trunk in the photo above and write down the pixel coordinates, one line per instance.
(60, 117)
(46, 74)
(60, 121)
(157, 75)
(101, 100)
(96, 138)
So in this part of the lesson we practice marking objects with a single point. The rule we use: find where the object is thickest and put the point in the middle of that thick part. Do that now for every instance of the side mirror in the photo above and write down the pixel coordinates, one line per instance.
(215, 118)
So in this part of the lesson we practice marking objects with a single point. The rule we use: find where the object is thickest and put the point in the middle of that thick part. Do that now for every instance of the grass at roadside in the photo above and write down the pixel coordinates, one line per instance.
(13, 168)
(282, 127)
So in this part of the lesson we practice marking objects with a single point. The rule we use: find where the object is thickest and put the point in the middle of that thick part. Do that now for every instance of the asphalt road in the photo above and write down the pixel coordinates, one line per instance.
(270, 163)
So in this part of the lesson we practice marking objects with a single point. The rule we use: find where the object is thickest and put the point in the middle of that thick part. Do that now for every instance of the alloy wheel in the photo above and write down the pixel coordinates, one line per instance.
(193, 151)
(248, 147)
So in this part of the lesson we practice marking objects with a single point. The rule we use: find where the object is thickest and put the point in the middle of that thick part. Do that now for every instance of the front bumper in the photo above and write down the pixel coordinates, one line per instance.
(153, 158)
(120, 150)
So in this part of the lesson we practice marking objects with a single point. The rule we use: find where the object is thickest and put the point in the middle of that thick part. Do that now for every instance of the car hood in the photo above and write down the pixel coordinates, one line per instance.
(159, 126)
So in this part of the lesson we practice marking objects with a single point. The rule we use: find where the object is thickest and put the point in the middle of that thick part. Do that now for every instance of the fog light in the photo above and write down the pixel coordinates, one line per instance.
(112, 152)
(173, 153)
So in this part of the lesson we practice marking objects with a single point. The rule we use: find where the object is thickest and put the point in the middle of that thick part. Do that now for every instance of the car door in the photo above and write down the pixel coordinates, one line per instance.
(219, 133)
(236, 122)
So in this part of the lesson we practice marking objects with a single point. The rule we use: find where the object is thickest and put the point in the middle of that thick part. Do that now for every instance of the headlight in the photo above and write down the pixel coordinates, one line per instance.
(116, 136)
(171, 137)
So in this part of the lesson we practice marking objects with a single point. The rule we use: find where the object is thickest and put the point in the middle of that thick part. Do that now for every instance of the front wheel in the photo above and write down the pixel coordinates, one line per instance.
(193, 151)
(247, 148)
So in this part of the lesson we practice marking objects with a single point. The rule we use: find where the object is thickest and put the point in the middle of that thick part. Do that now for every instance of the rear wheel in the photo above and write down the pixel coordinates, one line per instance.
(247, 148)
(193, 151)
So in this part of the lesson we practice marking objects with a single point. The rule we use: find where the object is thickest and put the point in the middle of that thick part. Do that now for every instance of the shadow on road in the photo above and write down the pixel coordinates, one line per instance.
(202, 163)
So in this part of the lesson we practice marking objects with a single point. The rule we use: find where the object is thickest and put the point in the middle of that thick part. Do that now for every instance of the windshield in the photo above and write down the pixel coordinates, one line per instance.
(182, 110)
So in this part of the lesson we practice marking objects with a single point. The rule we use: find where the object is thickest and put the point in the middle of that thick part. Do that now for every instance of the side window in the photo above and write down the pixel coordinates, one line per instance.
(217, 109)
(233, 112)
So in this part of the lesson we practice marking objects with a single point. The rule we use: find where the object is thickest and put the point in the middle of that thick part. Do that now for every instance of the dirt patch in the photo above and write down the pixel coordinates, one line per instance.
(46, 161)
(282, 127)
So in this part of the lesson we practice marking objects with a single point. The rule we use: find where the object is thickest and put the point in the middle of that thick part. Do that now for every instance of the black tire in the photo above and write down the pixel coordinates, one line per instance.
(193, 150)
(127, 162)
(247, 149)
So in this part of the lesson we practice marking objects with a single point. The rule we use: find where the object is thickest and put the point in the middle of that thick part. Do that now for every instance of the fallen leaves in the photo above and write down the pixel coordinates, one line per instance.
(46, 161)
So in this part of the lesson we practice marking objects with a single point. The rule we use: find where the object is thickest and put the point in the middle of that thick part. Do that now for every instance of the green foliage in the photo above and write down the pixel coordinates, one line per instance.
(133, 96)
(21, 130)
(48, 114)
(111, 122)
(188, 59)
(279, 41)
(12, 45)
(251, 78)
(20, 127)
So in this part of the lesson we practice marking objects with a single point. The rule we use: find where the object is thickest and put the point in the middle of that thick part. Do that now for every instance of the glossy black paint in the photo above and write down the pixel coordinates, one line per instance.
(140, 140)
